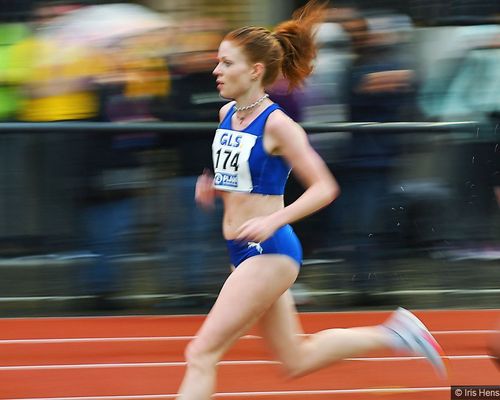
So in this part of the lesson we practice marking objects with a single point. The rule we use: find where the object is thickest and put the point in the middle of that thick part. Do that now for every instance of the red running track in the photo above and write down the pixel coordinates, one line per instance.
(122, 358)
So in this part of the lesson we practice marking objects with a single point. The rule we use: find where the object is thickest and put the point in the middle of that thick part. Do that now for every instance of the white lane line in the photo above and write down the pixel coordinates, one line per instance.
(96, 339)
(222, 363)
(338, 391)
(253, 394)
(184, 338)
(466, 332)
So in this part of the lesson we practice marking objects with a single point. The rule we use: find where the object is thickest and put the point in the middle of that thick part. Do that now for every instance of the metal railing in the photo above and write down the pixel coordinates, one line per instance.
(202, 128)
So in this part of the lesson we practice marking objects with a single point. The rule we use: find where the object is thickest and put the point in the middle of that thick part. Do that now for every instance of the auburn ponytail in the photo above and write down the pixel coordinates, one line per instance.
(290, 49)
(296, 37)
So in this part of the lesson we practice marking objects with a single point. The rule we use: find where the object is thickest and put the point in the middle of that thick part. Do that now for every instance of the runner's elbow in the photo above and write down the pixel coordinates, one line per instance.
(331, 191)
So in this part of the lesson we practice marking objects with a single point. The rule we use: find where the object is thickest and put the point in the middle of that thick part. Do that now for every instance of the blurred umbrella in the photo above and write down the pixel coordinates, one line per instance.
(103, 25)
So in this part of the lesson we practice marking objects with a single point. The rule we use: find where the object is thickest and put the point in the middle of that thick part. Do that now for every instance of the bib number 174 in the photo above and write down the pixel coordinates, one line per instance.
(226, 157)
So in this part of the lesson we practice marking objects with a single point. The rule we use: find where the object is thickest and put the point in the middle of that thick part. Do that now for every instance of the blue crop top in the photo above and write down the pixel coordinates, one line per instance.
(241, 164)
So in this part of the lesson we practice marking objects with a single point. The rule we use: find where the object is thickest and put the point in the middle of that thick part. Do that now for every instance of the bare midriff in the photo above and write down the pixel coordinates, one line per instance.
(241, 207)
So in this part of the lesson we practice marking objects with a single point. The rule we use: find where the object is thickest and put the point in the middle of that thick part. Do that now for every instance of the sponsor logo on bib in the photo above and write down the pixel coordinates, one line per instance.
(226, 179)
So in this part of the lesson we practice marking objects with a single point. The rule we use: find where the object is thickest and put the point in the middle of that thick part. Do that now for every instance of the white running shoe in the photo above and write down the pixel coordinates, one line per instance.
(417, 338)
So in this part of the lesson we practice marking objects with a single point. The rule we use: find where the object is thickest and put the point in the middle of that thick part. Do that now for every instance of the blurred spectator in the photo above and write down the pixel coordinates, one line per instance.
(474, 92)
(470, 92)
(78, 71)
(138, 76)
(193, 98)
(113, 179)
(12, 73)
(460, 79)
(193, 95)
(325, 92)
(60, 84)
(382, 89)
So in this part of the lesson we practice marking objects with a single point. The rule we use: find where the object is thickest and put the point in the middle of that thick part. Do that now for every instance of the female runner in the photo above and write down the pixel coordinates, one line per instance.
(254, 149)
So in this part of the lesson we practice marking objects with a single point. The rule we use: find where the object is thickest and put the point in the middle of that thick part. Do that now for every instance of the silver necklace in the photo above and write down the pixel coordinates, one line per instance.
(253, 105)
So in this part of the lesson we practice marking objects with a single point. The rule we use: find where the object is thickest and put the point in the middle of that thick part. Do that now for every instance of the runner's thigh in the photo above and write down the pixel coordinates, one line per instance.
(247, 293)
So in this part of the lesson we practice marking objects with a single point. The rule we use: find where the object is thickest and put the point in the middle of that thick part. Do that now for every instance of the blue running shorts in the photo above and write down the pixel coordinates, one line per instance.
(284, 241)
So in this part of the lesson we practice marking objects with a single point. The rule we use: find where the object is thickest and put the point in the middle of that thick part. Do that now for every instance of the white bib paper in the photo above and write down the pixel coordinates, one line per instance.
(231, 152)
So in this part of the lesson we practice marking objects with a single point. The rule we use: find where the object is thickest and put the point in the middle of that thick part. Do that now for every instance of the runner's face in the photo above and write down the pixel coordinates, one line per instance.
(233, 71)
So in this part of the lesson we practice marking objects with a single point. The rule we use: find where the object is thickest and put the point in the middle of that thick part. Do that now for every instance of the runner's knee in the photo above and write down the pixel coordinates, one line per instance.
(198, 355)
(296, 364)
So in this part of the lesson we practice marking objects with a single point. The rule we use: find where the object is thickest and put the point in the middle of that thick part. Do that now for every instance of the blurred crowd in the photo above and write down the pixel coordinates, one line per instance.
(125, 62)
(111, 62)
(122, 61)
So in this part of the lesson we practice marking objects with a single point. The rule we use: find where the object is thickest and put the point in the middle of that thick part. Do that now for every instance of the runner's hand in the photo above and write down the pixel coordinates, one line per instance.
(205, 191)
(256, 230)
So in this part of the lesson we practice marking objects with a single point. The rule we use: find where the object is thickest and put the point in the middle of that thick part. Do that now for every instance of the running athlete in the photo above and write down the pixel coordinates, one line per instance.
(494, 345)
(254, 149)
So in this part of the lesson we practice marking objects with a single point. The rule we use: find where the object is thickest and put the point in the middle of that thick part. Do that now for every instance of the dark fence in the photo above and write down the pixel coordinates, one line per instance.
(96, 211)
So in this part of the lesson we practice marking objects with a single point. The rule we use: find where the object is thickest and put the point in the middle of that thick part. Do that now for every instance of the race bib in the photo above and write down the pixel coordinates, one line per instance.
(231, 152)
